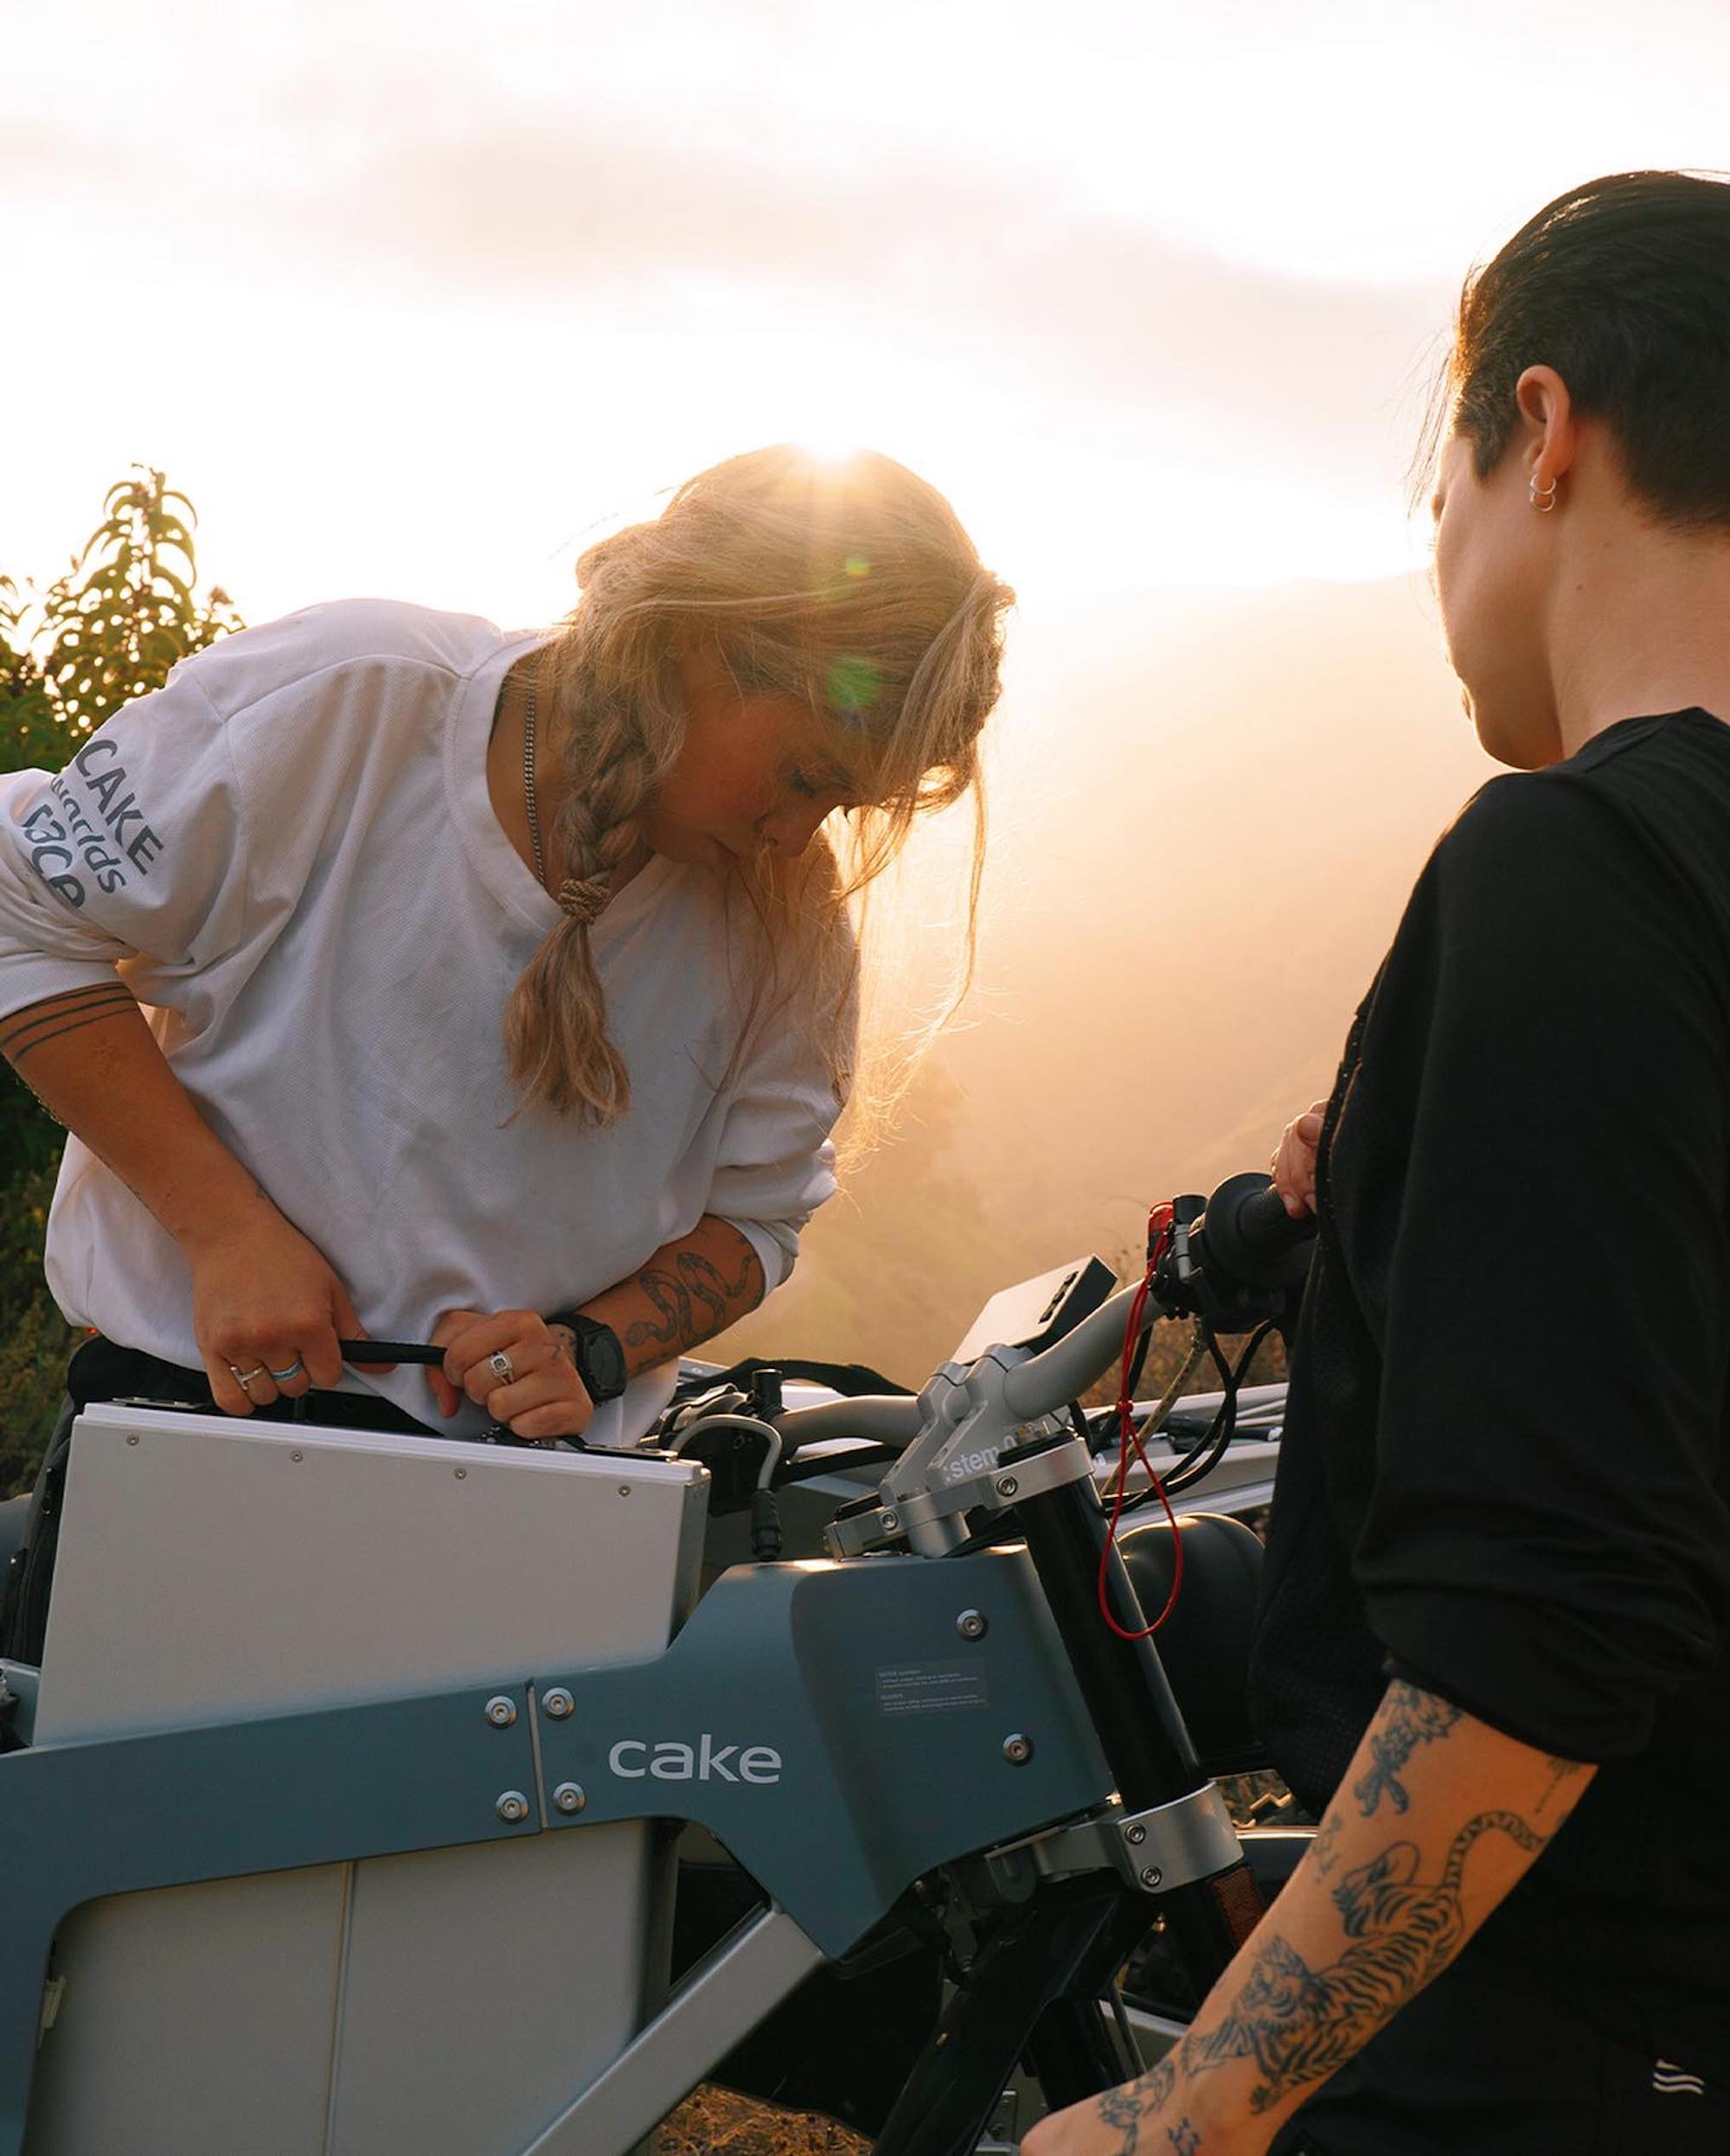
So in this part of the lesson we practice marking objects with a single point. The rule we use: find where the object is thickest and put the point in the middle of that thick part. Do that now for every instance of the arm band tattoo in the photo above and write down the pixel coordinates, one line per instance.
(41, 1023)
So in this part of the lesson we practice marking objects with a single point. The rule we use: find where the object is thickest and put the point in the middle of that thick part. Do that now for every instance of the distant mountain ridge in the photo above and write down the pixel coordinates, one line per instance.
(1209, 809)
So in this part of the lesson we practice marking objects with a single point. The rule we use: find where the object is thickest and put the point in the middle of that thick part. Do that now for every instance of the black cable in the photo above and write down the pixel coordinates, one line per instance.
(1201, 1464)
(1209, 1449)
(1201, 1460)
(837, 1462)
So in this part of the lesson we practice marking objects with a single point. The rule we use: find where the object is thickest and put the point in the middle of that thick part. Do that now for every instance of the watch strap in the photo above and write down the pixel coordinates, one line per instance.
(597, 1354)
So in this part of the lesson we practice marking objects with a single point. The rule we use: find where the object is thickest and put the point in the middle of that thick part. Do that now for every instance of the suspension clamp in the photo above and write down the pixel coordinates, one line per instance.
(1173, 1845)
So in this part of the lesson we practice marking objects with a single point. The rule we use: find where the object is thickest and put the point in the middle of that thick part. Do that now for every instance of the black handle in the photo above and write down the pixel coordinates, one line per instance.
(362, 1352)
(1250, 1239)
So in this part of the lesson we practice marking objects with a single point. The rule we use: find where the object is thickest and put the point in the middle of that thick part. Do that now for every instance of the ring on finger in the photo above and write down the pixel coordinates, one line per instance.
(501, 1367)
(282, 1377)
(244, 1377)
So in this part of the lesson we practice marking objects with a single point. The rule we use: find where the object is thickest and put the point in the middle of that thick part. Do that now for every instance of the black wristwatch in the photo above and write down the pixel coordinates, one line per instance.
(597, 1354)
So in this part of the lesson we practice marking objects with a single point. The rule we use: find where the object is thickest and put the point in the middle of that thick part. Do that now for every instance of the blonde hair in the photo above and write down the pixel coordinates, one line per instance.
(851, 584)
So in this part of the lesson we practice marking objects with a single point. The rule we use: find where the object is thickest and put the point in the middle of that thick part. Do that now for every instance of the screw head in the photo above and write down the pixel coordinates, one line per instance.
(1018, 1749)
(569, 1797)
(512, 1808)
(500, 1711)
(462, 1474)
(624, 1489)
(1152, 1875)
(133, 1439)
(1006, 1486)
(972, 1624)
(558, 1703)
(889, 1522)
(1137, 1834)
(297, 1456)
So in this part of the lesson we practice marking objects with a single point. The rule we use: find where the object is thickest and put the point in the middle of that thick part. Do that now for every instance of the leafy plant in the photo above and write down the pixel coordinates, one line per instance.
(127, 609)
(35, 1340)
(30, 733)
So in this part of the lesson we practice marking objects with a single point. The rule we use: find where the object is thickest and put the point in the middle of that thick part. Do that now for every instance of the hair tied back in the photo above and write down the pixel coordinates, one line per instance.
(584, 897)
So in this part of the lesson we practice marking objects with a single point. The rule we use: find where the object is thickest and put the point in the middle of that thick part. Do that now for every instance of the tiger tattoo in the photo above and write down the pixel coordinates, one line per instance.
(1299, 2024)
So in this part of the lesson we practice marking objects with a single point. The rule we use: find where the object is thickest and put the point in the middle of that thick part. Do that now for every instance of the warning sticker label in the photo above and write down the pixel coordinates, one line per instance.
(930, 1688)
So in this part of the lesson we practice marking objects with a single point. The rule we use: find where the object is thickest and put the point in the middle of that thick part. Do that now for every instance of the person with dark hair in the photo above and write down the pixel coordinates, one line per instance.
(1492, 1651)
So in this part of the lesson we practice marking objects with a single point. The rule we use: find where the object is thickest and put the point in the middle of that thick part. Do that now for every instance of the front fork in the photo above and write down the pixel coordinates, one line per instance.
(1139, 1726)
(1030, 1994)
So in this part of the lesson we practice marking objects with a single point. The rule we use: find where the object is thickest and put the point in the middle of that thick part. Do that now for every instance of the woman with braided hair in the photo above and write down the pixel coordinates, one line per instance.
(397, 976)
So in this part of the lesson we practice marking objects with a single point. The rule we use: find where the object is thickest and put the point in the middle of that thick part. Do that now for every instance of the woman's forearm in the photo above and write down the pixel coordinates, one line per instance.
(92, 1061)
(1438, 1819)
(689, 1290)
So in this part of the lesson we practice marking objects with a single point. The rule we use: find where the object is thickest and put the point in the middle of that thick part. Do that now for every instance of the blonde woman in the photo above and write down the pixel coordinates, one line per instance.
(397, 976)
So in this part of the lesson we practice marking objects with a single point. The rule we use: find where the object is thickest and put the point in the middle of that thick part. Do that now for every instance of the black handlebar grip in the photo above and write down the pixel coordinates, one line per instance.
(1252, 1239)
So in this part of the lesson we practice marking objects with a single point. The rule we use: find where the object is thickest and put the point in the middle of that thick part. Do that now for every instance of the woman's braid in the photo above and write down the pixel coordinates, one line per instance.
(555, 1025)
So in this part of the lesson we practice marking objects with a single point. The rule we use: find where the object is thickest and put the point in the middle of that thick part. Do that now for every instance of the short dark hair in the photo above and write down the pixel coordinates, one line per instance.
(1622, 285)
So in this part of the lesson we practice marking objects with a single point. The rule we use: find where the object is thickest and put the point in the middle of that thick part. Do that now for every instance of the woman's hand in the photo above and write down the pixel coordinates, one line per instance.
(1293, 1165)
(515, 1365)
(265, 1304)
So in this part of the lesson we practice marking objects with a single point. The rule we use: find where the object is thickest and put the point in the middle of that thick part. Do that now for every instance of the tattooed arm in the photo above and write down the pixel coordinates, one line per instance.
(1438, 1819)
(262, 1293)
(93, 1063)
(688, 1292)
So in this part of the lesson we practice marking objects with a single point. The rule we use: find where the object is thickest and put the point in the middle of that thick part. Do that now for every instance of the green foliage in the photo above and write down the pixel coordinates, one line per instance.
(126, 611)
(35, 1338)
(31, 735)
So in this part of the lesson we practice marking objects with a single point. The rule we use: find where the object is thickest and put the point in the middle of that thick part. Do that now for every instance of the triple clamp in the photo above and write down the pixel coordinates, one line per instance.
(1173, 1845)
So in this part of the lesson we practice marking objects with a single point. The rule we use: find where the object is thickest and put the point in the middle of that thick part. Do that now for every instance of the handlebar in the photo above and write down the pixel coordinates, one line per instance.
(1245, 1241)
(1049, 1381)
(885, 1418)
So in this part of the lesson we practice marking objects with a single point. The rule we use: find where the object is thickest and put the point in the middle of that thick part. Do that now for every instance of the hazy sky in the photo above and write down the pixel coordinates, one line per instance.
(413, 297)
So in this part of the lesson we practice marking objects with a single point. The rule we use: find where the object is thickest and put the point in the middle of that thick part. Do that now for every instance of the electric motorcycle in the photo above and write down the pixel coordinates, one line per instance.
(346, 1805)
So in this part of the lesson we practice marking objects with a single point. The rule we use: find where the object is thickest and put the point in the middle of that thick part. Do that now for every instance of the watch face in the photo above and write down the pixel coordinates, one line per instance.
(600, 1362)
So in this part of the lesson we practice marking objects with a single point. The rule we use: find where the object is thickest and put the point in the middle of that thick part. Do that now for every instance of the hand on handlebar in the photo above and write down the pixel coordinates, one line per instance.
(266, 1306)
(542, 1398)
(1293, 1165)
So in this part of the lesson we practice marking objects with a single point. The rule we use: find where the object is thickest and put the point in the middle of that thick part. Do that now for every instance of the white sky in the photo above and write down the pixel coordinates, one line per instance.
(413, 295)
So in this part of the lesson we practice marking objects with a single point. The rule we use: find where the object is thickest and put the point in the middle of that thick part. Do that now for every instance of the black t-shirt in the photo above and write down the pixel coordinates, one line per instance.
(1503, 1473)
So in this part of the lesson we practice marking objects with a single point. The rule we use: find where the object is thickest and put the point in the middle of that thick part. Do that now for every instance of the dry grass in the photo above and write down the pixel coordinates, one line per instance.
(714, 2122)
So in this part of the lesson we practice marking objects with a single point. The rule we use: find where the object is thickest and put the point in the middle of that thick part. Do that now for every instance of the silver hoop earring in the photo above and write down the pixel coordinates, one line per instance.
(1543, 498)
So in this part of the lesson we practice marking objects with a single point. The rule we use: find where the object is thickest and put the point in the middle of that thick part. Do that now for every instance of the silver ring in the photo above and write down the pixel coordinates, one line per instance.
(244, 1377)
(501, 1367)
(282, 1377)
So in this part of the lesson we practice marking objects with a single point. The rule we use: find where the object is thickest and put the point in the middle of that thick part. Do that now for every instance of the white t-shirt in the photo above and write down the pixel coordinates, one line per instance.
(291, 852)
